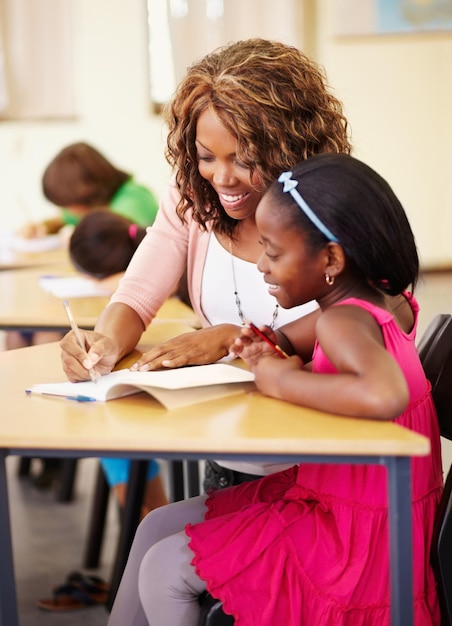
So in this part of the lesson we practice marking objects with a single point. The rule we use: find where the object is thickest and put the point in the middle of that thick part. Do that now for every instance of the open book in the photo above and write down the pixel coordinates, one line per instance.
(172, 388)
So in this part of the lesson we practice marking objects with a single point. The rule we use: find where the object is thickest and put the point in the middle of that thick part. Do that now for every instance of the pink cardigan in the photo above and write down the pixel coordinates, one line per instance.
(160, 260)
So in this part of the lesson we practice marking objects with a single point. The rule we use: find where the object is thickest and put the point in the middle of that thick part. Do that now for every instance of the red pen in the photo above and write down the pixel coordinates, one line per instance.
(279, 351)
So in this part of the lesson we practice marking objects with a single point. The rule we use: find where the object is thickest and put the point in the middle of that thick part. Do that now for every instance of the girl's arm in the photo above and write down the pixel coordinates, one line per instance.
(369, 382)
(298, 337)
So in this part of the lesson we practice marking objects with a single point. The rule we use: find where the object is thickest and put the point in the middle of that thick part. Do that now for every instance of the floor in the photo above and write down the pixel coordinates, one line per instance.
(48, 542)
(49, 536)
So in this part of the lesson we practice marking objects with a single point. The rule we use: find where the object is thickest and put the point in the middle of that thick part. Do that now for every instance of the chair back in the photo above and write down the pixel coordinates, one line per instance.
(435, 352)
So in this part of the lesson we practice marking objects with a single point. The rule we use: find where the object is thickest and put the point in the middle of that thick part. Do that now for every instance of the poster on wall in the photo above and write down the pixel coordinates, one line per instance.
(374, 17)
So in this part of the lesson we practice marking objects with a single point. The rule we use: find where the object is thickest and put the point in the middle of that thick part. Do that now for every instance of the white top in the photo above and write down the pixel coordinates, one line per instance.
(258, 306)
(219, 307)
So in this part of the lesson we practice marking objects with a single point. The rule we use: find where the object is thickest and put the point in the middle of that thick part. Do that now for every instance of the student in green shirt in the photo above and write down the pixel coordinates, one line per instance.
(78, 179)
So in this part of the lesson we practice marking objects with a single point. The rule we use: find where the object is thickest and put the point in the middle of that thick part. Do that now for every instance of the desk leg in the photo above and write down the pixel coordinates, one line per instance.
(400, 540)
(130, 519)
(8, 598)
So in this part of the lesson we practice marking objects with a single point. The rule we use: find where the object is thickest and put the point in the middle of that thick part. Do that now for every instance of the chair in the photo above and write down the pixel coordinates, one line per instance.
(65, 488)
(212, 612)
(435, 351)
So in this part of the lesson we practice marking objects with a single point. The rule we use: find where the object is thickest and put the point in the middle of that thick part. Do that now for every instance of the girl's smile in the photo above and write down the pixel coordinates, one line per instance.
(292, 273)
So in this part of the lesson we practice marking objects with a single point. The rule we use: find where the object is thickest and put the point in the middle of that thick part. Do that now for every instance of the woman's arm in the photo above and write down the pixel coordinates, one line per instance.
(201, 347)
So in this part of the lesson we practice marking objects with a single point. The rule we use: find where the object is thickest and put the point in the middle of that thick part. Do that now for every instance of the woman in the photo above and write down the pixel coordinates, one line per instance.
(241, 115)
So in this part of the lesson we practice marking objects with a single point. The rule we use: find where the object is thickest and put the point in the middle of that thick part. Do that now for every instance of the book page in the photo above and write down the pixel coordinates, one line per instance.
(176, 398)
(173, 388)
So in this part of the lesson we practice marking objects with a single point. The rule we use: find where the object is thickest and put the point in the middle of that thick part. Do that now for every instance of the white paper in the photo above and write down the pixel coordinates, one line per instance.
(36, 244)
(73, 287)
(173, 388)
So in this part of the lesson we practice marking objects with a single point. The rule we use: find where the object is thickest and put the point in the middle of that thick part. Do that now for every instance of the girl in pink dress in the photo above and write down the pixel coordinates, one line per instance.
(309, 545)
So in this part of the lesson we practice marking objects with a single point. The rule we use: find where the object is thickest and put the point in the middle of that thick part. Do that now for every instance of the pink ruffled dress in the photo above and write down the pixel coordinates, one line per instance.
(309, 546)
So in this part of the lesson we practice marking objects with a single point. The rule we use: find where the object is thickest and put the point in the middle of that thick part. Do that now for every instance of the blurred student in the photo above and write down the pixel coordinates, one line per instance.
(79, 179)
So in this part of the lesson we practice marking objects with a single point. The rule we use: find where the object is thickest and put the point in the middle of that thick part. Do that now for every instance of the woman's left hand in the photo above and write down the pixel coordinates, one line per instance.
(201, 347)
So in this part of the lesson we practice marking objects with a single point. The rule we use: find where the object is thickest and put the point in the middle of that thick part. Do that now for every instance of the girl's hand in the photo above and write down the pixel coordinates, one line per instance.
(101, 353)
(252, 348)
(196, 348)
(270, 372)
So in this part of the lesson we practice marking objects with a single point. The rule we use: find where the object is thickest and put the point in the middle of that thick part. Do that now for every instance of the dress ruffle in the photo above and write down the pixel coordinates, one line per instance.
(309, 546)
(304, 562)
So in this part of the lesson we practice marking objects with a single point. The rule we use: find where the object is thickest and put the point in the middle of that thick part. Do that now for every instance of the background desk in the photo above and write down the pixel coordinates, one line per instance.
(11, 259)
(244, 427)
(24, 305)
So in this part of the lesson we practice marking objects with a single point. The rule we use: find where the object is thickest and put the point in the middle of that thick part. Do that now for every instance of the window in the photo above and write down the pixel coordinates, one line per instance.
(36, 59)
(181, 31)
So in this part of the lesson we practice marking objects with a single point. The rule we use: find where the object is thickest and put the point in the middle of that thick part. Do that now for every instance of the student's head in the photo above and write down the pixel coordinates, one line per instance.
(331, 220)
(103, 243)
(271, 101)
(81, 177)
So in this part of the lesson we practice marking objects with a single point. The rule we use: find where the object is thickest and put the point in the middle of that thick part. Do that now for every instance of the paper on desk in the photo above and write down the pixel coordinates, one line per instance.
(73, 287)
(36, 244)
(173, 388)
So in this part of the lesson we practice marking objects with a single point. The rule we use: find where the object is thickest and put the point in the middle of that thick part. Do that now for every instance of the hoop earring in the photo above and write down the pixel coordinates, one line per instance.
(329, 279)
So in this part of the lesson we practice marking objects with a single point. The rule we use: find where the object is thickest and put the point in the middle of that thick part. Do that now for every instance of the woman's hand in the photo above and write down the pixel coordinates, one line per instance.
(101, 353)
(200, 347)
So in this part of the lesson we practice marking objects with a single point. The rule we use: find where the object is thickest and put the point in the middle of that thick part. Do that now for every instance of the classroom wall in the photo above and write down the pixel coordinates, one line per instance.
(111, 85)
(397, 93)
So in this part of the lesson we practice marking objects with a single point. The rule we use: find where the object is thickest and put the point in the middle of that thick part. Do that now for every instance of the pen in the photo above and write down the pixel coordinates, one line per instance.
(77, 398)
(76, 331)
(275, 346)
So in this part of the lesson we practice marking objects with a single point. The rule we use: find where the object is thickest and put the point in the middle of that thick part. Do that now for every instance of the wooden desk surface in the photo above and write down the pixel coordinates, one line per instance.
(245, 423)
(24, 304)
(10, 259)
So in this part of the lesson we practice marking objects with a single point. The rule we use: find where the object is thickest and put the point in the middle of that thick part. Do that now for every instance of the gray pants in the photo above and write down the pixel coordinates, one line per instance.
(159, 587)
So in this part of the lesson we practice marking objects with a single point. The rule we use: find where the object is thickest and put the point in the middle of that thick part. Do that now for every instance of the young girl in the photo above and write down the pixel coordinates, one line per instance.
(309, 545)
(103, 243)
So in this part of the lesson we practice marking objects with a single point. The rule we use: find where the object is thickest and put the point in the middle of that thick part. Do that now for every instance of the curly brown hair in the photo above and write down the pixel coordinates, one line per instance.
(268, 95)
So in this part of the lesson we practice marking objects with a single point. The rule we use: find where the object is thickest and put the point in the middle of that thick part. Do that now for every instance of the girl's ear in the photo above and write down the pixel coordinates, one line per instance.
(336, 259)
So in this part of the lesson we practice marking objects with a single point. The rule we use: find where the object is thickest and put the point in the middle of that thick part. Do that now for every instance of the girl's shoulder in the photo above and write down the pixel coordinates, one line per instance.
(384, 311)
(395, 314)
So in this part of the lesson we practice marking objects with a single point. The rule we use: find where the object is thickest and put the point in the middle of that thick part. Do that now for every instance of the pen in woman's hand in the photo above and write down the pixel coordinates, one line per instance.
(279, 351)
(92, 374)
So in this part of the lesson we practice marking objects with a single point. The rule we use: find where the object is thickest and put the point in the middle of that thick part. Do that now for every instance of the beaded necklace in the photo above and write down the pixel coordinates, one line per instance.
(237, 298)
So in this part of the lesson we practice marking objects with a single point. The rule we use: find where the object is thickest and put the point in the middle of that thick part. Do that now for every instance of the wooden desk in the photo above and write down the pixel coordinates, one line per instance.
(24, 305)
(10, 259)
(241, 427)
